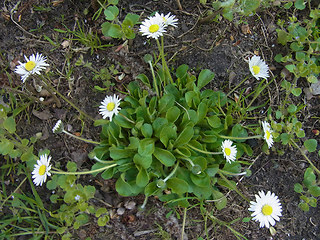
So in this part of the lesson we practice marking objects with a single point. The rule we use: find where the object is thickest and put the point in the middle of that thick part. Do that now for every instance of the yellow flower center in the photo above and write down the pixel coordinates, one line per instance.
(227, 151)
(42, 170)
(256, 69)
(110, 106)
(267, 210)
(30, 65)
(153, 28)
(268, 134)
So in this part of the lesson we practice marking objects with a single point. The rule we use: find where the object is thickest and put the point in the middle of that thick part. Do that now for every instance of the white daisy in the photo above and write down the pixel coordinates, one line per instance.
(41, 170)
(167, 19)
(58, 128)
(258, 67)
(266, 209)
(267, 133)
(110, 106)
(33, 65)
(229, 151)
(153, 27)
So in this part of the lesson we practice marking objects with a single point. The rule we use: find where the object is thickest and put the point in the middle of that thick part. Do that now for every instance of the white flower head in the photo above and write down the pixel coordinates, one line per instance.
(110, 106)
(266, 209)
(267, 133)
(41, 170)
(153, 27)
(167, 19)
(77, 197)
(58, 128)
(258, 68)
(34, 64)
(229, 151)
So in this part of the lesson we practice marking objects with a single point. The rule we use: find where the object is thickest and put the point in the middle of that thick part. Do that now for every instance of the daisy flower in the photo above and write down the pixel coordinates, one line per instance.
(167, 19)
(58, 128)
(258, 68)
(153, 27)
(41, 170)
(110, 106)
(266, 209)
(267, 133)
(34, 64)
(229, 151)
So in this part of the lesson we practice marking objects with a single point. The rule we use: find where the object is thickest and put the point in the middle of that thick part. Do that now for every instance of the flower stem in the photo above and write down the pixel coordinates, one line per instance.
(231, 186)
(172, 173)
(80, 138)
(202, 151)
(240, 138)
(305, 156)
(155, 84)
(83, 173)
(129, 120)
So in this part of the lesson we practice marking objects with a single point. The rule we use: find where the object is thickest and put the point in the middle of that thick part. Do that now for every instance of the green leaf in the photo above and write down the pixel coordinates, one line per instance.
(309, 178)
(220, 200)
(182, 71)
(158, 124)
(298, 188)
(143, 161)
(10, 125)
(102, 221)
(133, 18)
(107, 174)
(239, 131)
(184, 137)
(114, 31)
(202, 111)
(113, 2)
(304, 206)
(201, 180)
(146, 147)
(300, 4)
(278, 58)
(122, 187)
(173, 114)
(164, 156)
(291, 67)
(142, 178)
(178, 185)
(118, 153)
(285, 138)
(315, 191)
(166, 102)
(147, 130)
(28, 155)
(168, 132)
(311, 145)
(288, 5)
(72, 166)
(6, 147)
(292, 108)
(300, 56)
(296, 91)
(111, 12)
(214, 121)
(204, 78)
(249, 6)
(283, 37)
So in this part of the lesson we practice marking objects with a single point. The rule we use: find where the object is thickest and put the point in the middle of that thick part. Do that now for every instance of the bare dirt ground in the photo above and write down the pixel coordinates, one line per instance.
(219, 46)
